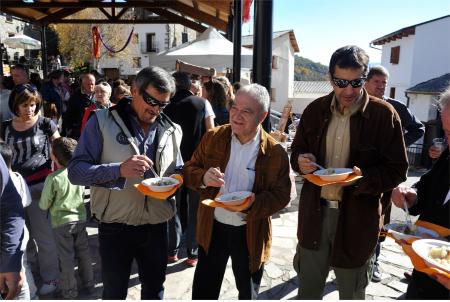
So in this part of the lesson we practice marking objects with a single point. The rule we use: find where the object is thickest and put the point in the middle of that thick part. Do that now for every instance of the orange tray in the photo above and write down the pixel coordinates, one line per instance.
(418, 263)
(238, 208)
(159, 195)
(319, 182)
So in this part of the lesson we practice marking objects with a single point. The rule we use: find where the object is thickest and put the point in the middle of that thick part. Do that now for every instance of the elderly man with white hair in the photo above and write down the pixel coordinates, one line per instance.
(430, 199)
(239, 156)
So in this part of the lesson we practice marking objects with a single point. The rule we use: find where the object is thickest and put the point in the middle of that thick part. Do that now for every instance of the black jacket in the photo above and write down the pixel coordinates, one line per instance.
(413, 128)
(188, 111)
(432, 188)
(74, 114)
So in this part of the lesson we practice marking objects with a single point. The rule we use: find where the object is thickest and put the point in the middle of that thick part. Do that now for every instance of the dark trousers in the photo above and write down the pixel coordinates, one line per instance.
(189, 199)
(120, 244)
(423, 287)
(226, 241)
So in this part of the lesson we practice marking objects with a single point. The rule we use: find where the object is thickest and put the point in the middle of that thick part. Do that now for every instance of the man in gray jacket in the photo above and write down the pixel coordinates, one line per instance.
(116, 150)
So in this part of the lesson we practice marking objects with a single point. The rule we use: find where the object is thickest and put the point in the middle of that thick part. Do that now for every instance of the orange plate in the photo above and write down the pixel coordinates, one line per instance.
(319, 182)
(238, 208)
(418, 263)
(159, 195)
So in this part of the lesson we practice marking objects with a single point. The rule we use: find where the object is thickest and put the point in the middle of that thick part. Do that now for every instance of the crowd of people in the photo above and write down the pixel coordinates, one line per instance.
(59, 139)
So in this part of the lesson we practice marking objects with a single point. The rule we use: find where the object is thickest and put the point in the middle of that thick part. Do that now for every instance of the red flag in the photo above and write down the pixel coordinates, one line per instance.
(246, 11)
(96, 42)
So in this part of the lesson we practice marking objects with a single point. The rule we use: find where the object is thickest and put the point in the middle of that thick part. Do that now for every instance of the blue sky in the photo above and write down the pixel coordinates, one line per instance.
(322, 26)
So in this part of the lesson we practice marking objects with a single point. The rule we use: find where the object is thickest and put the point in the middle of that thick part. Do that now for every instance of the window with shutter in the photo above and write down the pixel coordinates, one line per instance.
(274, 62)
(395, 54)
(392, 93)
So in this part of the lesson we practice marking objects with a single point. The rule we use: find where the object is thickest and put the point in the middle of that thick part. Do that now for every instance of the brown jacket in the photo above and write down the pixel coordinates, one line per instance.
(377, 147)
(272, 189)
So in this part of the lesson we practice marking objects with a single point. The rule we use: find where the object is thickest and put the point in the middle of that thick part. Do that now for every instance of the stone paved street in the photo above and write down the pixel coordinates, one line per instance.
(279, 280)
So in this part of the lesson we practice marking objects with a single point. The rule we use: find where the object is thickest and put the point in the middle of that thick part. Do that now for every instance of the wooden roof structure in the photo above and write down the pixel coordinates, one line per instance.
(195, 14)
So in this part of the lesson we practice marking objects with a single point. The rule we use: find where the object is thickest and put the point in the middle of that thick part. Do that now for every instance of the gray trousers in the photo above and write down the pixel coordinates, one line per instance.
(72, 243)
(41, 235)
(312, 266)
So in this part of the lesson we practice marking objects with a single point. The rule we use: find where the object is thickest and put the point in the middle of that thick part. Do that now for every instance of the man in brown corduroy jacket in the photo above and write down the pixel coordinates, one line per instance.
(240, 156)
(338, 225)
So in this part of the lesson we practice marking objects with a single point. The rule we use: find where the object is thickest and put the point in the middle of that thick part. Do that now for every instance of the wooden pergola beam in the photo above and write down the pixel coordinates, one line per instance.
(113, 21)
(196, 14)
(105, 13)
(174, 18)
(59, 15)
(85, 4)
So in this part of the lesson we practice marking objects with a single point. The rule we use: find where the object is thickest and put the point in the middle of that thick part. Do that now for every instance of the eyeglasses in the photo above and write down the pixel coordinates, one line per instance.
(152, 101)
(21, 88)
(356, 83)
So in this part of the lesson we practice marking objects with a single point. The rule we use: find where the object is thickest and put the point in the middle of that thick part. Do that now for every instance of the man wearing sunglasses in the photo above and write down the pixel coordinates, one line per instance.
(338, 224)
(116, 150)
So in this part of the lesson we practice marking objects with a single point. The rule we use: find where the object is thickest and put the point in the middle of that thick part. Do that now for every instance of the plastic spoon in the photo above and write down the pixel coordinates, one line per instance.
(154, 172)
(318, 166)
(408, 217)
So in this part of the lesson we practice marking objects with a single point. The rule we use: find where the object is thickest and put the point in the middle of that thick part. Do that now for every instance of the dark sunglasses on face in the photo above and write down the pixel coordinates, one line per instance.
(356, 83)
(21, 88)
(152, 101)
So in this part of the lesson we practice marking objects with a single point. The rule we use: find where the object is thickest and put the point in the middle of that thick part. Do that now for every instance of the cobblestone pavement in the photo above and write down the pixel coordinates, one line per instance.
(279, 279)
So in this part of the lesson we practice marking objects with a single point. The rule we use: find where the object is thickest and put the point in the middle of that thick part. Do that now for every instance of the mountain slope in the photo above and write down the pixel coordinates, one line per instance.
(307, 70)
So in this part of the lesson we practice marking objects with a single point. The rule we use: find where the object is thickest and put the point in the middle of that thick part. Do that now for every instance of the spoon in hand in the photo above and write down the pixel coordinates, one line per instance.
(408, 217)
(154, 172)
(318, 166)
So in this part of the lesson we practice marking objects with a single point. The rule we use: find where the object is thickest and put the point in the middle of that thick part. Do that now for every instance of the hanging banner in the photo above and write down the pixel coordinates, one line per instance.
(246, 11)
(95, 42)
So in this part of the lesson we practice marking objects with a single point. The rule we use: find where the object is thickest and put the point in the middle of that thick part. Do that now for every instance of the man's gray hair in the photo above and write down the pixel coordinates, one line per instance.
(377, 70)
(444, 99)
(258, 93)
(157, 78)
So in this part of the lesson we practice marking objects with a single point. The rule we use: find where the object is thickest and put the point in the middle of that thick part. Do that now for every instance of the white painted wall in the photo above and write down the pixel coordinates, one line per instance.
(283, 76)
(432, 51)
(423, 56)
(399, 74)
(423, 106)
(134, 50)
(299, 103)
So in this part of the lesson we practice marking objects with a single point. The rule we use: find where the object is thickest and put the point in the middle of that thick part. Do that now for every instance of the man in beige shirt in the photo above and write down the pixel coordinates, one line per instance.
(338, 225)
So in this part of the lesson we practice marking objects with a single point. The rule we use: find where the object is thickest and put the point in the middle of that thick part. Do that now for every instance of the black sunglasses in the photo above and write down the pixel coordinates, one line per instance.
(356, 83)
(21, 88)
(152, 101)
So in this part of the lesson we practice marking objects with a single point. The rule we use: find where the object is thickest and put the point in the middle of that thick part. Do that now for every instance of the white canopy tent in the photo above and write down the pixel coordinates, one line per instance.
(210, 49)
(22, 41)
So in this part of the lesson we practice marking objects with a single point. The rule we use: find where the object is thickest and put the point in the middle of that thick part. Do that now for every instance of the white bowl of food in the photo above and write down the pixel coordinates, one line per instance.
(333, 174)
(435, 253)
(233, 199)
(160, 184)
(401, 231)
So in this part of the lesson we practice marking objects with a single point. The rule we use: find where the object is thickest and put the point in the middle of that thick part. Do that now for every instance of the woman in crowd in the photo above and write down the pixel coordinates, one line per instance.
(228, 88)
(29, 135)
(215, 92)
(196, 89)
(101, 101)
(119, 92)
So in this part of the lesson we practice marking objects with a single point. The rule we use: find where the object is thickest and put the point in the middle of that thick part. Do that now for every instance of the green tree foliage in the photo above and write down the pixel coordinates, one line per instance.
(307, 70)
